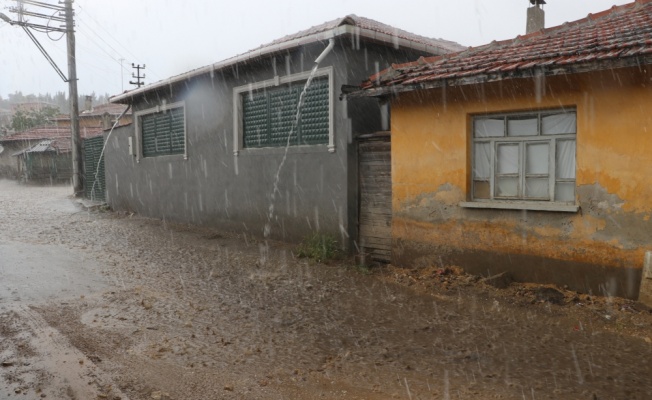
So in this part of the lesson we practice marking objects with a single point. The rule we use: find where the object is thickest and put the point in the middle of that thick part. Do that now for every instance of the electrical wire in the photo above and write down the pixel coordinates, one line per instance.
(90, 39)
(48, 25)
(106, 31)
(108, 34)
(86, 26)
(105, 71)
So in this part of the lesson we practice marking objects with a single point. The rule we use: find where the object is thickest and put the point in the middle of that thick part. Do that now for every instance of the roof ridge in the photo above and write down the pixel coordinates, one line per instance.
(371, 29)
(618, 37)
(590, 18)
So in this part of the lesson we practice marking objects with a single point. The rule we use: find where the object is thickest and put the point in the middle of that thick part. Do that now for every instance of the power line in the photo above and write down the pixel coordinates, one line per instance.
(100, 37)
(111, 56)
(109, 35)
(91, 65)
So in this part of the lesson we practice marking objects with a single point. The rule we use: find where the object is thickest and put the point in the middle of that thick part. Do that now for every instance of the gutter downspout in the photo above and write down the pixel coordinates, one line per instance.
(320, 58)
(331, 44)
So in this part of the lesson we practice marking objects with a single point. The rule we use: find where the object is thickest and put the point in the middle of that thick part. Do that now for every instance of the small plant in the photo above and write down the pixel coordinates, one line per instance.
(319, 247)
(364, 269)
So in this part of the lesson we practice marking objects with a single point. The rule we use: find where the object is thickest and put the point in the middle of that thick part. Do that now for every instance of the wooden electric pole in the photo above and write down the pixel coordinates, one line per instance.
(77, 167)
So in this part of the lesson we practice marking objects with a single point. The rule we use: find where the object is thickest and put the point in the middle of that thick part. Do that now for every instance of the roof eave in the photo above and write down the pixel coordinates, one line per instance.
(127, 97)
(553, 70)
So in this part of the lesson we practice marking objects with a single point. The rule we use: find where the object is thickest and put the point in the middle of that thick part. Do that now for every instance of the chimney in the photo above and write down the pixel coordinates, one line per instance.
(88, 103)
(106, 121)
(536, 17)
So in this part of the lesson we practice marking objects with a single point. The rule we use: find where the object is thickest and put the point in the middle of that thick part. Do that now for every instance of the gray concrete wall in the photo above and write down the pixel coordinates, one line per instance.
(316, 190)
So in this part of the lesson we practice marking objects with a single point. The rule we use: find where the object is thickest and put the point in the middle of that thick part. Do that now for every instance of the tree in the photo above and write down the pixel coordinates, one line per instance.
(23, 120)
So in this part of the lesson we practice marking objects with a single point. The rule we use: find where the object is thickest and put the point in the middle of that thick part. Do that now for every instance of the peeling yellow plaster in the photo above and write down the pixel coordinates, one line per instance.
(431, 145)
(507, 239)
(452, 196)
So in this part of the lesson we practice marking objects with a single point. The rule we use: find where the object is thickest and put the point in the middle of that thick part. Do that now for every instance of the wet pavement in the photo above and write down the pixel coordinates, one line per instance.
(35, 273)
(110, 305)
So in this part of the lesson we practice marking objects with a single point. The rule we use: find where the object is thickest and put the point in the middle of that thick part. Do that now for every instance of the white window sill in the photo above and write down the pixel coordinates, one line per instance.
(313, 148)
(521, 205)
(163, 157)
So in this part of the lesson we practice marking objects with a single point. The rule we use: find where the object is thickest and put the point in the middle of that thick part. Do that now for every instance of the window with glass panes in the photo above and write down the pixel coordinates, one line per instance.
(525, 156)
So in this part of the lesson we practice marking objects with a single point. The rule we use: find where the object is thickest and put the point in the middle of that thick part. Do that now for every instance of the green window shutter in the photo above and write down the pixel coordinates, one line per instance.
(283, 110)
(315, 121)
(177, 131)
(255, 111)
(94, 189)
(148, 127)
(163, 133)
(269, 116)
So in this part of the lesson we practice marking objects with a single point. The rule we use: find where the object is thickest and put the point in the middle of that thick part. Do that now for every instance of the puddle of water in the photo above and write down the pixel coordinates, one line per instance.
(36, 273)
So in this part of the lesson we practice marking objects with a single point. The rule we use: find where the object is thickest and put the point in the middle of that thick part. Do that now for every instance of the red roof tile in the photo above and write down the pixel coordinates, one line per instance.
(50, 132)
(112, 109)
(621, 34)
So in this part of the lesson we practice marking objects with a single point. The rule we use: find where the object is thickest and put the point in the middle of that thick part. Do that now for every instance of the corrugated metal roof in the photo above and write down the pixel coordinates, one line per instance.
(615, 37)
(61, 145)
(364, 27)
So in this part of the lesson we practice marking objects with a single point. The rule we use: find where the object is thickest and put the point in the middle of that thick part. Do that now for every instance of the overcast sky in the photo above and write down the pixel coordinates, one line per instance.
(172, 36)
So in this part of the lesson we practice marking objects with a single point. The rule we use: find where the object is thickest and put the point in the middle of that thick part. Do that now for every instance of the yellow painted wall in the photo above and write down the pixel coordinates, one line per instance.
(431, 136)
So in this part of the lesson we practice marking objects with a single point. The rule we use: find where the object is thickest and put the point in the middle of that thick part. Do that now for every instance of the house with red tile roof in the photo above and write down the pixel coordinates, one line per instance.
(260, 142)
(531, 156)
(54, 142)
(100, 116)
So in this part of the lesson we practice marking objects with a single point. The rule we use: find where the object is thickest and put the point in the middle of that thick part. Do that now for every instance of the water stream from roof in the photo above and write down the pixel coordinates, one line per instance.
(270, 214)
(97, 170)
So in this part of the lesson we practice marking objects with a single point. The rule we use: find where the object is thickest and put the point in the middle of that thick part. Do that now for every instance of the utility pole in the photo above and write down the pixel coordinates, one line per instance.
(77, 167)
(137, 75)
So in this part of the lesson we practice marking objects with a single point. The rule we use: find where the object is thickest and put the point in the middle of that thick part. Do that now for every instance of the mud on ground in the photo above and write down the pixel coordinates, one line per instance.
(193, 313)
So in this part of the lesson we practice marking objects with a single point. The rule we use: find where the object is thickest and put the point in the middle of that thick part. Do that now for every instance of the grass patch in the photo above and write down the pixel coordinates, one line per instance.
(319, 247)
(364, 269)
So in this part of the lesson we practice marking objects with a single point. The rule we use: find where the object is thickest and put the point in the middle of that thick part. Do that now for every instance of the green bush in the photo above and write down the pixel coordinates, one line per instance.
(319, 247)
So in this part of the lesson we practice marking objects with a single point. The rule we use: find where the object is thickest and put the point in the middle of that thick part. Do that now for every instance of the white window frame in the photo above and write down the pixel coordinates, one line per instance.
(520, 202)
(238, 92)
(157, 109)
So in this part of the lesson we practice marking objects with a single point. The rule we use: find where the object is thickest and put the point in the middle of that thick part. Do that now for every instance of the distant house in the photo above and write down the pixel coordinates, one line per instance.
(532, 155)
(226, 145)
(102, 116)
(48, 161)
(50, 145)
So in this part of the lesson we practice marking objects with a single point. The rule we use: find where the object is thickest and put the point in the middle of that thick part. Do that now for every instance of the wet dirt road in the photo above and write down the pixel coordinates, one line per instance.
(107, 305)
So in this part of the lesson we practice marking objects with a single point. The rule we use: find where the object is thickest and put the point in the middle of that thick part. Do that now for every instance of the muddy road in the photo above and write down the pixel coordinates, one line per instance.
(102, 305)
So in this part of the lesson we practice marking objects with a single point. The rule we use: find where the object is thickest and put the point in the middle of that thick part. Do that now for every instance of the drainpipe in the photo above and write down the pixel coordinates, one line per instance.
(331, 44)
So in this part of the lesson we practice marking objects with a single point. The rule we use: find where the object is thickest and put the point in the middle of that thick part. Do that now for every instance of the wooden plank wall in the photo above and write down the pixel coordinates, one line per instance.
(375, 175)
